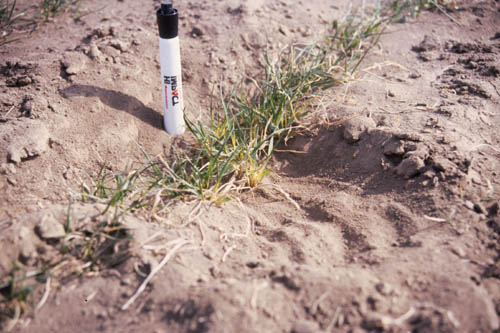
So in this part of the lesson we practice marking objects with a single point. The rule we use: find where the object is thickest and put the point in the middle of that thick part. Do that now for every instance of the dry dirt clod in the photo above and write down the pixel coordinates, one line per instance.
(119, 45)
(6, 168)
(429, 43)
(95, 53)
(354, 128)
(33, 105)
(443, 164)
(469, 204)
(12, 181)
(27, 243)
(49, 227)
(394, 147)
(410, 166)
(474, 177)
(74, 63)
(29, 141)
(429, 174)
(464, 87)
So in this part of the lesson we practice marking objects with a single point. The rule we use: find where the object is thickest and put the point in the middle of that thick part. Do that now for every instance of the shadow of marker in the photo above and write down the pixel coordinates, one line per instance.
(117, 100)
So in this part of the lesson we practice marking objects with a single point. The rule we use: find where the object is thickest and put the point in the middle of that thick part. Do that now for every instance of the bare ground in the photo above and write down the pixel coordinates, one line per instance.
(383, 218)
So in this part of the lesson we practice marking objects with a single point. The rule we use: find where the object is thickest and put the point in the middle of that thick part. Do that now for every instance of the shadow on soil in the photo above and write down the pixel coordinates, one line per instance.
(117, 100)
(328, 155)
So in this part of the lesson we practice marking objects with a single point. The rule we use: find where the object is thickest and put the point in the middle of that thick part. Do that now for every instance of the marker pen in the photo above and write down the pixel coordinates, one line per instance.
(170, 62)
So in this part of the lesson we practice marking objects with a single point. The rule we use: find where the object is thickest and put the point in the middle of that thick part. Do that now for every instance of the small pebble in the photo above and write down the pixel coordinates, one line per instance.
(383, 288)
(11, 181)
(469, 204)
(284, 30)
(376, 323)
(215, 272)
(458, 251)
(196, 32)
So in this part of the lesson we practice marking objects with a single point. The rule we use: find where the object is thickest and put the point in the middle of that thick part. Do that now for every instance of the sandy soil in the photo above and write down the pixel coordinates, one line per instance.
(391, 223)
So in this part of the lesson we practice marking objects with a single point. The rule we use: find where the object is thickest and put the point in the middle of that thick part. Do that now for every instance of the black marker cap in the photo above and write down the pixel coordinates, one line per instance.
(168, 20)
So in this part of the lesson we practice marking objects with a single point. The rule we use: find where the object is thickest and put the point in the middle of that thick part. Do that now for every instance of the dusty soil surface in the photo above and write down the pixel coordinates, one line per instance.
(390, 217)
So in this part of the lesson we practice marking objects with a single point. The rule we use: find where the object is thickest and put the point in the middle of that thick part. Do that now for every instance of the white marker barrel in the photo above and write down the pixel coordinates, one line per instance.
(170, 62)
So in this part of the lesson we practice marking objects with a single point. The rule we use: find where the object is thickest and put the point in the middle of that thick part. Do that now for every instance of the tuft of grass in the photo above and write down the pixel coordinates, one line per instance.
(6, 13)
(15, 289)
(231, 151)
(103, 246)
(16, 292)
(52, 8)
(27, 19)
(403, 9)
(7, 20)
(107, 245)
